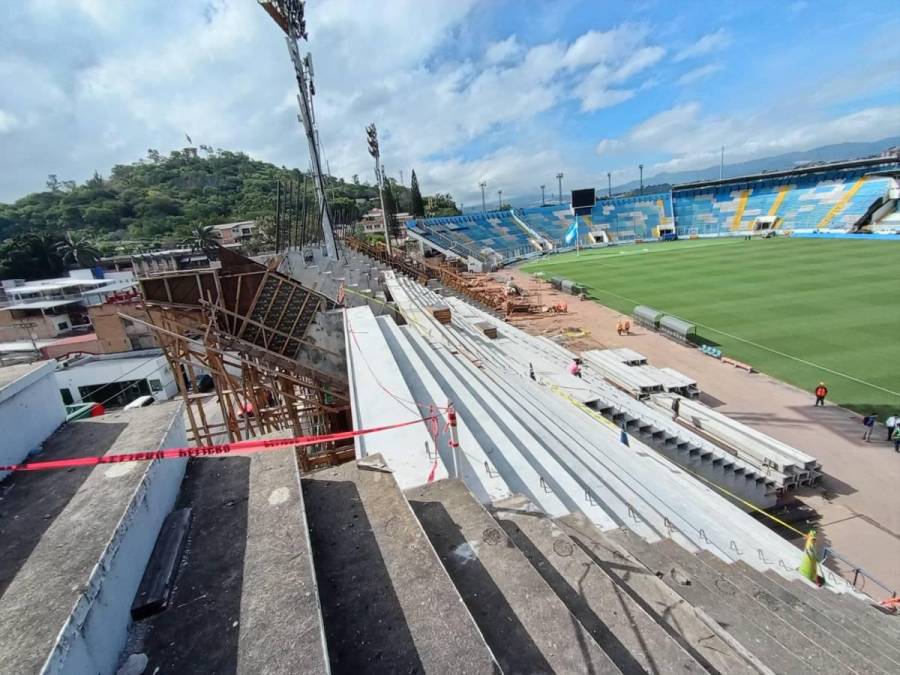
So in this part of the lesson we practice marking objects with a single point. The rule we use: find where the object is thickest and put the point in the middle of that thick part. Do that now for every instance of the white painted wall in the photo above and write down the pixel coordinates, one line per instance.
(30, 410)
(93, 638)
(102, 371)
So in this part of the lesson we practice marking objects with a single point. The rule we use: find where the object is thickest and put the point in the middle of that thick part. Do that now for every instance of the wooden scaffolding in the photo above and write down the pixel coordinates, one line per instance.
(236, 338)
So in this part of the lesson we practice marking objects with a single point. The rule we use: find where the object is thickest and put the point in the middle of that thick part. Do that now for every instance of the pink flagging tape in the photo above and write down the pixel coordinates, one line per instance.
(238, 447)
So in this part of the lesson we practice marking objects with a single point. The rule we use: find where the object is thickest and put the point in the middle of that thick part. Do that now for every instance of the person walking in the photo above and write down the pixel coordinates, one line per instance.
(676, 407)
(896, 438)
(891, 423)
(869, 423)
(531, 372)
(821, 392)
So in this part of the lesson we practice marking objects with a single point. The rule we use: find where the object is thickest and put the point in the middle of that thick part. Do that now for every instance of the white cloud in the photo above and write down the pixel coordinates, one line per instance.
(698, 74)
(604, 46)
(607, 146)
(503, 51)
(8, 122)
(693, 140)
(712, 42)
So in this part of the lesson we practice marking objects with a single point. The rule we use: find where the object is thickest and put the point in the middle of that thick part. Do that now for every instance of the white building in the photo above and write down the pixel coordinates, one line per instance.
(30, 409)
(116, 379)
(51, 307)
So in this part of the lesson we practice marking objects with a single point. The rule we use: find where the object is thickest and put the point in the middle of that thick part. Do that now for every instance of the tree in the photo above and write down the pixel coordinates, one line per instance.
(201, 238)
(390, 212)
(442, 205)
(417, 206)
(77, 249)
(52, 183)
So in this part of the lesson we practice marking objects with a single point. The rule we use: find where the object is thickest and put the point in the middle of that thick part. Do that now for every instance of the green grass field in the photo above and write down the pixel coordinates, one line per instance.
(802, 310)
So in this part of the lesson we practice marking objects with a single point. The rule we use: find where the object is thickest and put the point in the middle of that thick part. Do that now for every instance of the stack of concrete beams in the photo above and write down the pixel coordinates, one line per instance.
(517, 350)
(526, 437)
(786, 464)
(628, 370)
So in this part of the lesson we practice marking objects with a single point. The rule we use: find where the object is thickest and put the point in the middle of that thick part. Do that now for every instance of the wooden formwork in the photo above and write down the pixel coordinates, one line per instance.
(243, 325)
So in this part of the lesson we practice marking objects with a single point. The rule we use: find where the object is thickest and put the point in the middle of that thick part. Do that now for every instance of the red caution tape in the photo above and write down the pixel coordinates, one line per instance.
(204, 450)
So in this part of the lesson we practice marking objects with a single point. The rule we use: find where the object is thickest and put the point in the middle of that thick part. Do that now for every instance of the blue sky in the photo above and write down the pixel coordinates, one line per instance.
(506, 92)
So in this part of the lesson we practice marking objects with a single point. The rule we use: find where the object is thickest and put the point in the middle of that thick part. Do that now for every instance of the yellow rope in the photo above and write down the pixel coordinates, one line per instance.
(599, 417)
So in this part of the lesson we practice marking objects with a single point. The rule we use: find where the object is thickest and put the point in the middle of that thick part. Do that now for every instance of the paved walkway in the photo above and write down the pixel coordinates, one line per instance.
(859, 500)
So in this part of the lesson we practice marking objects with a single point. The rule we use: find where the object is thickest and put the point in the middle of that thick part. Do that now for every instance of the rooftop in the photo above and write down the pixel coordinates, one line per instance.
(11, 374)
(41, 304)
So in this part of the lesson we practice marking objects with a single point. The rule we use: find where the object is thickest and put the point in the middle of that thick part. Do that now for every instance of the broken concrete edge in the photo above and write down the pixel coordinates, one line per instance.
(94, 635)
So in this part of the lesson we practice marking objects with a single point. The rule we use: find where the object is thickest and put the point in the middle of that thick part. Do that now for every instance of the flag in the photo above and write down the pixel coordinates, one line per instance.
(572, 234)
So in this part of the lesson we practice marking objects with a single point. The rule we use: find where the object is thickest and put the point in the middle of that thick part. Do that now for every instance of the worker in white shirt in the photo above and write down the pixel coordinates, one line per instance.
(890, 423)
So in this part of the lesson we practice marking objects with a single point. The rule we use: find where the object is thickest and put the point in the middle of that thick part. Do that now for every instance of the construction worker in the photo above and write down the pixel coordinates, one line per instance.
(676, 407)
(891, 423)
(869, 424)
(821, 393)
(809, 563)
(531, 372)
(896, 438)
(575, 367)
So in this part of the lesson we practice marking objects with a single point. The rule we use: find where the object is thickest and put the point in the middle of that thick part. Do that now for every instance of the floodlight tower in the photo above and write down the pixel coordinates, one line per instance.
(499, 199)
(641, 168)
(374, 150)
(289, 15)
(542, 194)
(482, 185)
(559, 178)
(609, 182)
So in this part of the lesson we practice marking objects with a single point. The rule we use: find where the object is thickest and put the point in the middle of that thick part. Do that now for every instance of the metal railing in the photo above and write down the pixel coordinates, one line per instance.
(856, 570)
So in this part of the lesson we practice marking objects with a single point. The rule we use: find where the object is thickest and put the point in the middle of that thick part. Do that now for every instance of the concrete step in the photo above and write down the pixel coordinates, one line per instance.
(705, 640)
(526, 624)
(802, 617)
(873, 622)
(830, 605)
(245, 599)
(74, 542)
(805, 640)
(387, 603)
(721, 603)
(631, 637)
(829, 611)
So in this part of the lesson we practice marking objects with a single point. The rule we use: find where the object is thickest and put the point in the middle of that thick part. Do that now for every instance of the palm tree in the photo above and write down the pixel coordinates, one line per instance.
(44, 251)
(78, 249)
(201, 238)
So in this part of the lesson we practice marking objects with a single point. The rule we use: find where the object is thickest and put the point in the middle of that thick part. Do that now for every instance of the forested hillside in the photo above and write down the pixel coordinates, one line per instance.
(159, 198)
(158, 202)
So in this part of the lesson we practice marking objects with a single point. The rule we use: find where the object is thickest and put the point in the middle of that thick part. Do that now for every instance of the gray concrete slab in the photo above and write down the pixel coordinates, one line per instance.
(74, 543)
(387, 603)
(281, 627)
(708, 642)
(826, 601)
(526, 624)
(813, 624)
(631, 638)
(805, 641)
(735, 617)
(820, 603)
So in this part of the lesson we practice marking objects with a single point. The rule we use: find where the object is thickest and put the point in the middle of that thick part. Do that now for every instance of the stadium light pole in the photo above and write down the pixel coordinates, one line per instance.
(542, 194)
(609, 182)
(289, 16)
(482, 185)
(559, 178)
(374, 150)
(499, 199)
(641, 167)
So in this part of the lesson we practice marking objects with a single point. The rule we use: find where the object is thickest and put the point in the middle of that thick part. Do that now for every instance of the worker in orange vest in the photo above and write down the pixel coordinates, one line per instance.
(821, 393)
